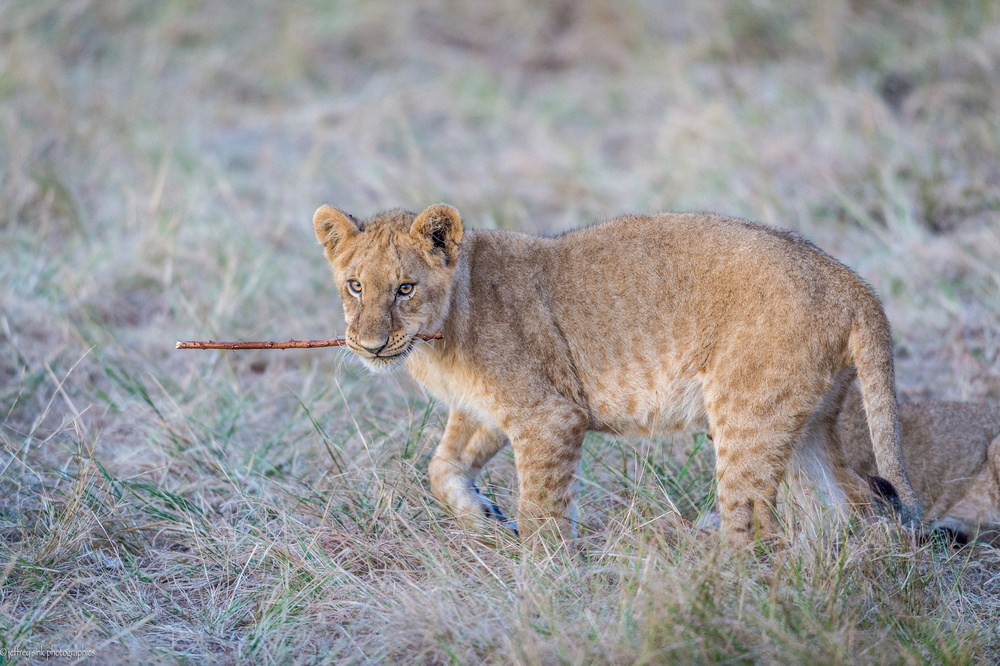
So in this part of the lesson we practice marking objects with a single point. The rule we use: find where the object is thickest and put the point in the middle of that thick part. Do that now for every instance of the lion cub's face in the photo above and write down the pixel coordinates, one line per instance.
(394, 274)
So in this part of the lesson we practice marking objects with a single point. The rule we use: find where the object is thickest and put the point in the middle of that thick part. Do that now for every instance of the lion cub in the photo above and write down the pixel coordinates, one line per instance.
(951, 451)
(637, 326)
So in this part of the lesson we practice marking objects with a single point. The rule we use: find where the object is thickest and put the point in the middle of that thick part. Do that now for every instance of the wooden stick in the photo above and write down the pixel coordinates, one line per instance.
(289, 344)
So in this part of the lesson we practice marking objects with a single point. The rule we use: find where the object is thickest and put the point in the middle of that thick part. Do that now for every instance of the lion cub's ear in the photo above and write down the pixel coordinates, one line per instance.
(440, 228)
(333, 227)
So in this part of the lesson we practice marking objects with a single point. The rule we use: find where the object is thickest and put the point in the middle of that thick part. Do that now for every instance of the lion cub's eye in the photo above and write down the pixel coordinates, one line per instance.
(405, 290)
(354, 287)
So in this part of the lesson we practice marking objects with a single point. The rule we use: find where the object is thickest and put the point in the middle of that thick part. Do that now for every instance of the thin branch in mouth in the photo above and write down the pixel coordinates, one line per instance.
(288, 344)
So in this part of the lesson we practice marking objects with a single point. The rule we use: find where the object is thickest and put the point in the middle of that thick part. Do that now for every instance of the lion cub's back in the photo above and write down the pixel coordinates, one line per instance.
(646, 304)
(699, 261)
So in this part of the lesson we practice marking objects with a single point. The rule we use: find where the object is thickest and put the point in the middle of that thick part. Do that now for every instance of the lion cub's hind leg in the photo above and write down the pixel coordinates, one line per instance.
(821, 479)
(752, 449)
(466, 447)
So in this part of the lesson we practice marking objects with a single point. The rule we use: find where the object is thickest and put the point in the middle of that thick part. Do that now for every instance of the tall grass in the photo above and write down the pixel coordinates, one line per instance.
(159, 163)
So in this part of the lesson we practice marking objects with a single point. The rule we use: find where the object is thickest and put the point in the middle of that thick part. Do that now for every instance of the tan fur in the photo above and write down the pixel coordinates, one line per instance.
(637, 326)
(951, 451)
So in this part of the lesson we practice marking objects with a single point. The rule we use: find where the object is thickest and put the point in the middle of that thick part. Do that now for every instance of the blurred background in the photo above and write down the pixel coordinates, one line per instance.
(160, 162)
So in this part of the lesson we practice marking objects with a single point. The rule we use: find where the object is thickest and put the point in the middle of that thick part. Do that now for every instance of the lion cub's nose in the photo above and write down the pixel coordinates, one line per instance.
(373, 346)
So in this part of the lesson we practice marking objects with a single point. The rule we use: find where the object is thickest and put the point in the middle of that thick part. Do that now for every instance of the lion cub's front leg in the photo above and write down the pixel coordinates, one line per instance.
(547, 444)
(466, 447)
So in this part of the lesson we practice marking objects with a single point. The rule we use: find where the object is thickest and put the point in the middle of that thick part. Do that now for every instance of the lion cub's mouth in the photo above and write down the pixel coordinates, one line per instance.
(385, 359)
(383, 363)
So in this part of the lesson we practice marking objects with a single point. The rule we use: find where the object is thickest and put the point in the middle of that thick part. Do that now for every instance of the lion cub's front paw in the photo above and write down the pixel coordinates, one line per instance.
(492, 512)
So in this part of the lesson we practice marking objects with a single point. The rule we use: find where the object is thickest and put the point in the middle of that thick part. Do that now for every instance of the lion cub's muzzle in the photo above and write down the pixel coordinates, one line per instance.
(382, 353)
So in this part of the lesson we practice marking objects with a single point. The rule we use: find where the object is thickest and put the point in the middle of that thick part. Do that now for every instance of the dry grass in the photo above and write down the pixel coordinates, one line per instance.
(159, 164)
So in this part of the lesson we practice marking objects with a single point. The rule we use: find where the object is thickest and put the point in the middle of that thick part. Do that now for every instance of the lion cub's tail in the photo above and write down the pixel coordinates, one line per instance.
(869, 346)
